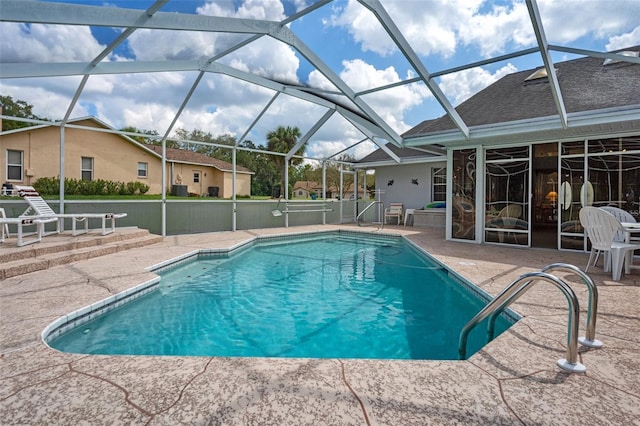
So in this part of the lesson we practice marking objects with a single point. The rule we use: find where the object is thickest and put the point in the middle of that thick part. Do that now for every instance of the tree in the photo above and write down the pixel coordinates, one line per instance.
(266, 172)
(17, 109)
(333, 175)
(142, 139)
(201, 136)
(302, 172)
(284, 139)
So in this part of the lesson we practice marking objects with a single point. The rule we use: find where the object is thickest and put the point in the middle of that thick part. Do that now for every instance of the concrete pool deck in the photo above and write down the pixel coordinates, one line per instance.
(514, 380)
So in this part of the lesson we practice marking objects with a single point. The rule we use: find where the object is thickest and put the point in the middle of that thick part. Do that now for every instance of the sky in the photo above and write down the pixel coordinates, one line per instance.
(347, 38)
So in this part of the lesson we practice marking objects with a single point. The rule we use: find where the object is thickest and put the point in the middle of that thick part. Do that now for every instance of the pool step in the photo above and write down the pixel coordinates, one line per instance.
(61, 249)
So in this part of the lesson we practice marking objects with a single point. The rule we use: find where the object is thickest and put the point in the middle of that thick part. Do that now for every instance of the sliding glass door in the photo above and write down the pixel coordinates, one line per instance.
(507, 178)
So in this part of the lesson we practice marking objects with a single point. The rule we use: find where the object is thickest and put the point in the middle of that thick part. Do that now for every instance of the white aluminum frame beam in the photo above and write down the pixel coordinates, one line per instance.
(538, 29)
(391, 28)
(258, 117)
(286, 36)
(452, 70)
(305, 138)
(41, 12)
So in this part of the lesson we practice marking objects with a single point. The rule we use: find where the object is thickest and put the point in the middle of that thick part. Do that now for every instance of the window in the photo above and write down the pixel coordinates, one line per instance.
(196, 177)
(86, 172)
(14, 165)
(142, 170)
(439, 180)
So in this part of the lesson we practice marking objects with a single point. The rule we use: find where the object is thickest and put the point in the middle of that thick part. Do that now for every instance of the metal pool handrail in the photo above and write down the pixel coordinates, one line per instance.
(592, 308)
(373, 203)
(516, 289)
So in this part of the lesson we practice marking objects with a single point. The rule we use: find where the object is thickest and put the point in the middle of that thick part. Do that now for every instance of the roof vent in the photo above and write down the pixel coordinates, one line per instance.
(537, 74)
(631, 53)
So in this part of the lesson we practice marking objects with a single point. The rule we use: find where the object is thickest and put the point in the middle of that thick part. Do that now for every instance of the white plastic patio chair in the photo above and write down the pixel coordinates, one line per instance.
(395, 210)
(601, 228)
(509, 214)
(622, 216)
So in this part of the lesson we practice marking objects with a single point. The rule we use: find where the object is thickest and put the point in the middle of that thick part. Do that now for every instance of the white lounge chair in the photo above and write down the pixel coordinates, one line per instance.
(39, 209)
(601, 228)
(21, 223)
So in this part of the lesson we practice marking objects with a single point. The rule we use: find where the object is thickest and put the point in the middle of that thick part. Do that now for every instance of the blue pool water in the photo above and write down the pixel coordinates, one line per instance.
(328, 296)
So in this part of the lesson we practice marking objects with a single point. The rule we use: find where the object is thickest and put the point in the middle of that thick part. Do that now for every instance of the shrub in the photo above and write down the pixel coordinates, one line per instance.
(51, 186)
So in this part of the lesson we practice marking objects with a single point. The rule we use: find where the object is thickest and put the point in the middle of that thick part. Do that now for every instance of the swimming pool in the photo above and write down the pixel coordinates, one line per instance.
(326, 295)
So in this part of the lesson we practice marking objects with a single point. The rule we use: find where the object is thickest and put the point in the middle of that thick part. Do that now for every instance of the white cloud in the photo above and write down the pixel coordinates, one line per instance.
(493, 31)
(50, 97)
(267, 57)
(447, 27)
(570, 20)
(624, 40)
(46, 43)
(270, 10)
(437, 27)
(464, 84)
(390, 104)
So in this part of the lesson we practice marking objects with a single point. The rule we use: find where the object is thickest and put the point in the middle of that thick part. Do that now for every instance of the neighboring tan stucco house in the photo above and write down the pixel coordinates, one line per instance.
(30, 153)
(304, 189)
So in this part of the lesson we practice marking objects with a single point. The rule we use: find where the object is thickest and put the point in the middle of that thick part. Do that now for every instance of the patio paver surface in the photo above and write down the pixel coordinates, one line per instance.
(514, 380)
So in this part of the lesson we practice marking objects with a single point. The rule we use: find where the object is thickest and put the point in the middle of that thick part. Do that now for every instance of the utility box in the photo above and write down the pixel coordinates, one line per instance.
(179, 191)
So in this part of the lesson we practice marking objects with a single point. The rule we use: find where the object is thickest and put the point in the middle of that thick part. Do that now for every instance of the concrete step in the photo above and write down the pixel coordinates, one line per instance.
(63, 248)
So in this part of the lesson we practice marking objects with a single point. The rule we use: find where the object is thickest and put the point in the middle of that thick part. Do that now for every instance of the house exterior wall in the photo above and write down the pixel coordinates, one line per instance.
(301, 193)
(114, 158)
(402, 190)
(243, 184)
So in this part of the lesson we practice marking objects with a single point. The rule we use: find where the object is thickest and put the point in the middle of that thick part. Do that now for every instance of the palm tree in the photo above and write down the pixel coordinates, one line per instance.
(283, 139)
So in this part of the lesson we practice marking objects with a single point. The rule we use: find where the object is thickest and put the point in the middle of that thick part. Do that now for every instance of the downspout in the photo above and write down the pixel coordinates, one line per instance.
(233, 188)
(286, 191)
(355, 188)
(341, 193)
(324, 193)
(173, 173)
(324, 183)
(163, 178)
(61, 208)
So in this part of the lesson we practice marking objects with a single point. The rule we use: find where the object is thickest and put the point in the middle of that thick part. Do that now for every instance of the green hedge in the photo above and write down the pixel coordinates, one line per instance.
(51, 186)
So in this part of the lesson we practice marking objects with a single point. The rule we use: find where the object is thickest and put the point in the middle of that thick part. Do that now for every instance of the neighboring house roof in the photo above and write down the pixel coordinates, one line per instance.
(307, 185)
(191, 157)
(586, 86)
(70, 121)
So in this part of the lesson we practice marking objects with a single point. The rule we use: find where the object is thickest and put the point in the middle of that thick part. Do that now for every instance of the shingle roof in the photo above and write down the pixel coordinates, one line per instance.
(185, 156)
(585, 84)
(380, 155)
